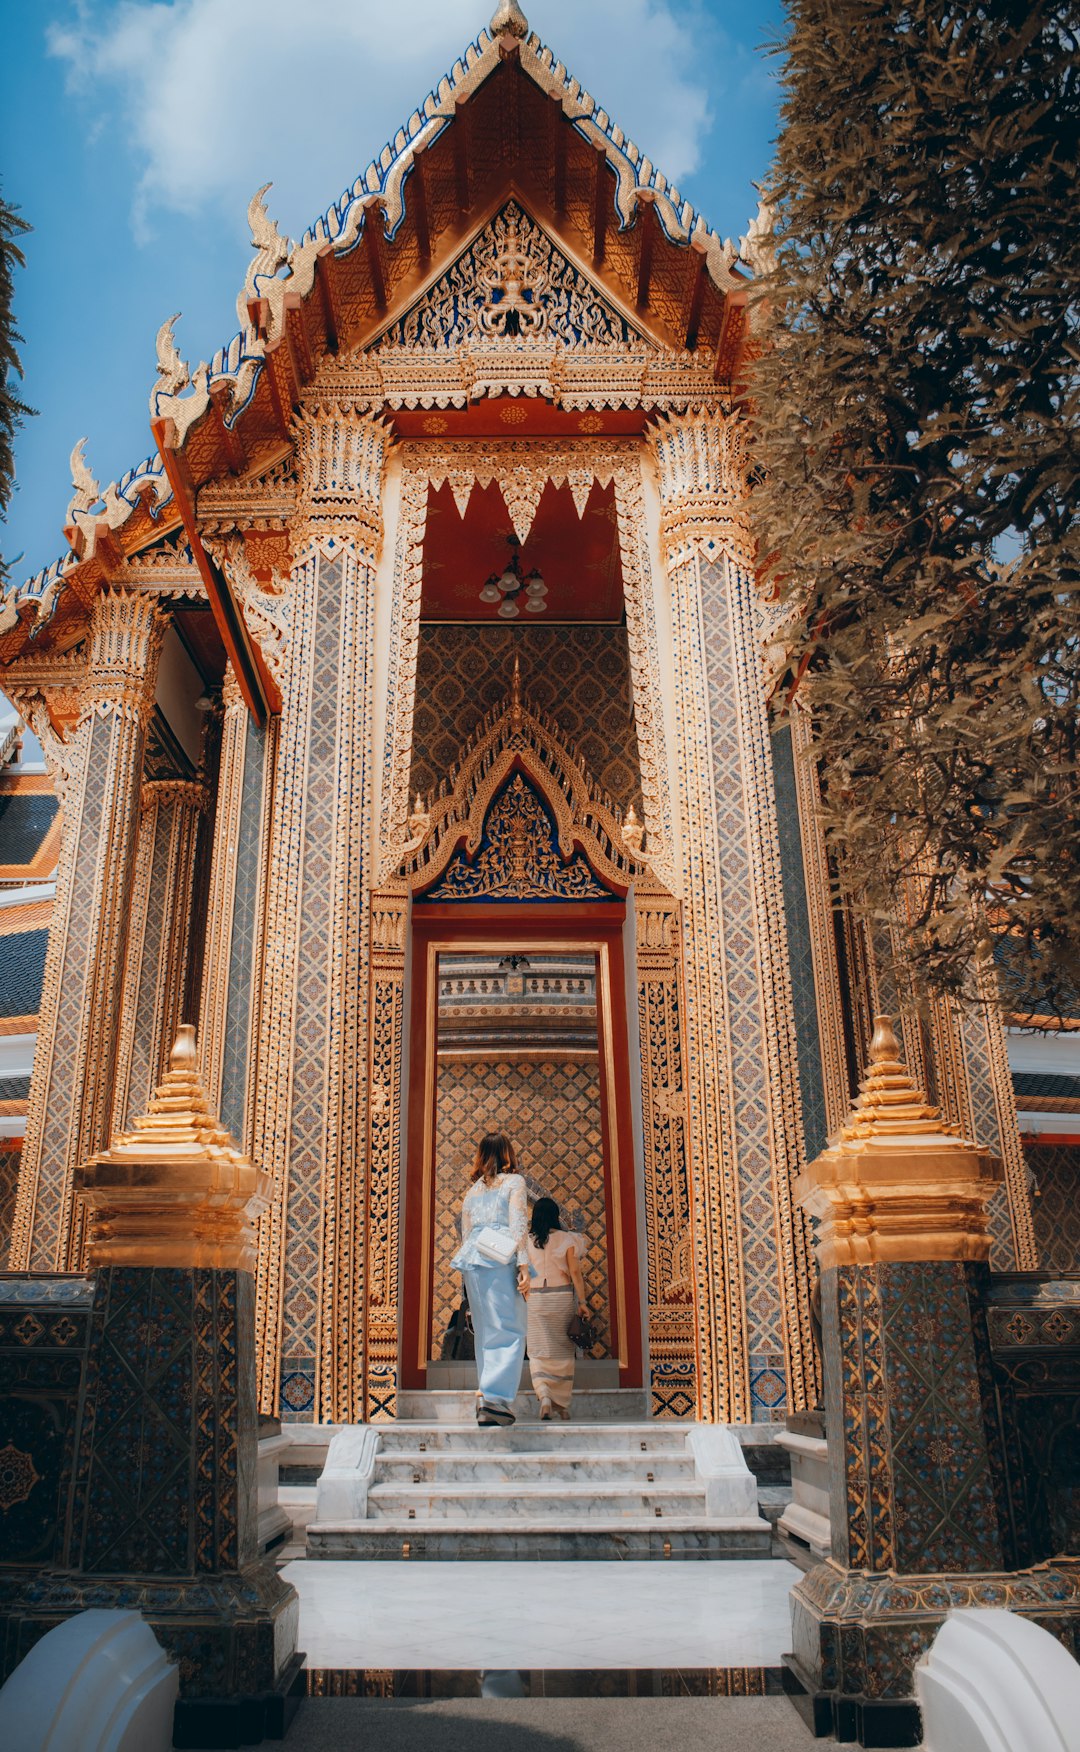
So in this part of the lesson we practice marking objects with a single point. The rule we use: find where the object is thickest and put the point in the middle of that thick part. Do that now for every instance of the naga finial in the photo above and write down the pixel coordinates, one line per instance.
(86, 490)
(509, 25)
(515, 684)
(173, 373)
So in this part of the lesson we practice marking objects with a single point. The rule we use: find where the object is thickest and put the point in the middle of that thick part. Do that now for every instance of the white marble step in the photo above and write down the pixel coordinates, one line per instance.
(607, 1405)
(444, 1491)
(566, 1466)
(539, 1438)
(600, 1538)
(500, 1504)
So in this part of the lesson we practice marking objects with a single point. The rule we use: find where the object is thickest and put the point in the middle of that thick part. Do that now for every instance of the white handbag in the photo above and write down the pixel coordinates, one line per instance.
(495, 1244)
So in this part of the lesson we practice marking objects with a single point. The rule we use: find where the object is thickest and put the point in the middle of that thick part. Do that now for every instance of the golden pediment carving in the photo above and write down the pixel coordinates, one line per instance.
(518, 761)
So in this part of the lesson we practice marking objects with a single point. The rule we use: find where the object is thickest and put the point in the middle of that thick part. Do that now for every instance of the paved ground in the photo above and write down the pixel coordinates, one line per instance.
(682, 1724)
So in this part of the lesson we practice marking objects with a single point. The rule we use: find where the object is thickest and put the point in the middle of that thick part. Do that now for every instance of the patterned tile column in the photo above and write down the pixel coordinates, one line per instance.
(159, 938)
(751, 1263)
(232, 959)
(71, 1092)
(310, 1114)
(901, 1206)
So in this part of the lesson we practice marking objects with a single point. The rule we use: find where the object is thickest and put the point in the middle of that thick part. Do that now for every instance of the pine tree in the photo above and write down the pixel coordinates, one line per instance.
(12, 410)
(917, 425)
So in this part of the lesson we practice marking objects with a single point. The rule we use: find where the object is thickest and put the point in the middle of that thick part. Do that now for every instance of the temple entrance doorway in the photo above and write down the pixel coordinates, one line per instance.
(519, 1024)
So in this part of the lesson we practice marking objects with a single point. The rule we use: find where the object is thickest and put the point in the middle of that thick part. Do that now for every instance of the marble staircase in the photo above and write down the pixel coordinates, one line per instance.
(441, 1487)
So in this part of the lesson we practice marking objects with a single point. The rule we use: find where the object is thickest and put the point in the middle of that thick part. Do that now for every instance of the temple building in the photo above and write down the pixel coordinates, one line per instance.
(402, 723)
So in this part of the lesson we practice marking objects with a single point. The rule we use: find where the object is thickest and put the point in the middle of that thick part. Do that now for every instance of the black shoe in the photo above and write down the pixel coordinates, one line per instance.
(487, 1415)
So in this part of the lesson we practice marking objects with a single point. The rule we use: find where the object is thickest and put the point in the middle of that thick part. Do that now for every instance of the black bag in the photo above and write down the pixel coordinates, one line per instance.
(583, 1332)
(459, 1344)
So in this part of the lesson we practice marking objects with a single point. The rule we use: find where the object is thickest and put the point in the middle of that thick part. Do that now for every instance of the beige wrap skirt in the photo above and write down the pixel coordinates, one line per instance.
(551, 1352)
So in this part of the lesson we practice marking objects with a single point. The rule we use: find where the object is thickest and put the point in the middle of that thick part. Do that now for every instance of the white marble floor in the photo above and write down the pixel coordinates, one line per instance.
(543, 1615)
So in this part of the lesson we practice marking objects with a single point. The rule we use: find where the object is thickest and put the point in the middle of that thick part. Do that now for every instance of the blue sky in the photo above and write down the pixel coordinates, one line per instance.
(133, 132)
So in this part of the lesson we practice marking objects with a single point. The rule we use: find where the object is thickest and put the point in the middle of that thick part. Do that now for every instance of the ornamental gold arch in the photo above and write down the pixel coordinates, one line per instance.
(517, 735)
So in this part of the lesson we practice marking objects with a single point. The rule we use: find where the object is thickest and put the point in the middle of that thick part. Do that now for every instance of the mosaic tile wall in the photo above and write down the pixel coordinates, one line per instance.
(903, 1387)
(308, 1116)
(1056, 1208)
(236, 1053)
(748, 1046)
(550, 1109)
(581, 674)
(797, 918)
(170, 1342)
(44, 1333)
(9, 1185)
(94, 744)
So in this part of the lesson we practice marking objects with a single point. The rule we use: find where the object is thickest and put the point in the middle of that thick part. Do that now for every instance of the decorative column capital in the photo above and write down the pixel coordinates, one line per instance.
(702, 469)
(898, 1184)
(126, 630)
(183, 793)
(341, 457)
(176, 1191)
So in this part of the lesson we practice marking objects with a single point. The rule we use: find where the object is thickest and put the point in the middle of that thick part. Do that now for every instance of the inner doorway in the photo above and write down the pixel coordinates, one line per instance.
(521, 1030)
(518, 1050)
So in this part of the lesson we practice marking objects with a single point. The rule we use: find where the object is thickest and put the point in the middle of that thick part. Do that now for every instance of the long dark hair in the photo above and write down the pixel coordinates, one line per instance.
(494, 1155)
(545, 1217)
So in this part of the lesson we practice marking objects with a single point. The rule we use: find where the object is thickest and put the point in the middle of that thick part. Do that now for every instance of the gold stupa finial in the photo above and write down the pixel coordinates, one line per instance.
(509, 25)
(175, 1190)
(184, 1055)
(515, 684)
(898, 1184)
(889, 1100)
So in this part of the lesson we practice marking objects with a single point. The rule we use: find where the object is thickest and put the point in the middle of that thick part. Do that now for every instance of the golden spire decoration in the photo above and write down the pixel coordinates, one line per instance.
(897, 1183)
(890, 1103)
(509, 25)
(176, 1190)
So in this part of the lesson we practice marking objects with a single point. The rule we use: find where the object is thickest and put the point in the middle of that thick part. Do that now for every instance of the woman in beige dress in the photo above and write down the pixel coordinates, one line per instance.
(556, 1293)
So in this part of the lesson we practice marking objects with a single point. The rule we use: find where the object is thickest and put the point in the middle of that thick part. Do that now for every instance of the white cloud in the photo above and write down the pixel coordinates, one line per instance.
(219, 96)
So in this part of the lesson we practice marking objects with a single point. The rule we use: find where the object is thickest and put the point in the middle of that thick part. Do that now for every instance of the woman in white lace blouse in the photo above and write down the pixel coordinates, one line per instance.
(493, 1258)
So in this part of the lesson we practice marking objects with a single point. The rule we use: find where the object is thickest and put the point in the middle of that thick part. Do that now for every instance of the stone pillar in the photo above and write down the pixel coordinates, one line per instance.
(71, 1092)
(901, 1201)
(310, 1113)
(164, 1507)
(159, 940)
(751, 1265)
(235, 927)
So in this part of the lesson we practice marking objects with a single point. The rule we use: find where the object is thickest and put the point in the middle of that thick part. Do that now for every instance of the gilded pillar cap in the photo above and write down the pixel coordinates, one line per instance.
(176, 1190)
(898, 1183)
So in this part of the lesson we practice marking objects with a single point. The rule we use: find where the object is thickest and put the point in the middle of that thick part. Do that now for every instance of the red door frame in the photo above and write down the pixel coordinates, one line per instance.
(574, 926)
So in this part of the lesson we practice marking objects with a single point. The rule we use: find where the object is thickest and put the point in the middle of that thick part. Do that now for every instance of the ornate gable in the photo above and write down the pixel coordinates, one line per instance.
(512, 283)
(513, 315)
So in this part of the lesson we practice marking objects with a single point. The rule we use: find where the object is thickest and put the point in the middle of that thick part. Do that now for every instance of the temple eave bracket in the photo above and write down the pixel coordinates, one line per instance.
(257, 685)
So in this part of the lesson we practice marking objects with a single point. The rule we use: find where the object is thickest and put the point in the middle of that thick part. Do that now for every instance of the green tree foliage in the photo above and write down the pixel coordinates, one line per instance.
(917, 431)
(12, 410)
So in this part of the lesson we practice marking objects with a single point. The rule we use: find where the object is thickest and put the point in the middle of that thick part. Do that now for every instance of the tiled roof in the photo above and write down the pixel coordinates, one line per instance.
(14, 1088)
(25, 819)
(1045, 1086)
(22, 965)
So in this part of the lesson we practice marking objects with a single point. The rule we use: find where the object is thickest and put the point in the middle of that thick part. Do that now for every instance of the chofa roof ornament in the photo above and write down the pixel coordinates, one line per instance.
(509, 25)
